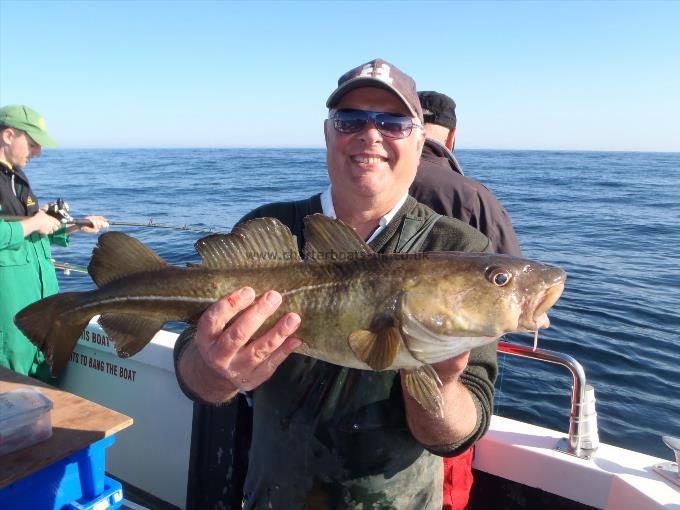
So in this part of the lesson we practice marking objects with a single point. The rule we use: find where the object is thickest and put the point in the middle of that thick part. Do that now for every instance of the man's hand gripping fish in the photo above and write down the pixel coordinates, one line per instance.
(359, 309)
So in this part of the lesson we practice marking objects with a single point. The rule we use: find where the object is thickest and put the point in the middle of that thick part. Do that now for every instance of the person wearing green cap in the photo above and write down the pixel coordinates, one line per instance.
(26, 270)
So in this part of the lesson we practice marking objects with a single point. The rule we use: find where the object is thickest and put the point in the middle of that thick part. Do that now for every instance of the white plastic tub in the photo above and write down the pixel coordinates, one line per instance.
(25, 419)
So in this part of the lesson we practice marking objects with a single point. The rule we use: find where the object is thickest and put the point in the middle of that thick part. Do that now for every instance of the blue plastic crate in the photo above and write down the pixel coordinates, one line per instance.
(77, 482)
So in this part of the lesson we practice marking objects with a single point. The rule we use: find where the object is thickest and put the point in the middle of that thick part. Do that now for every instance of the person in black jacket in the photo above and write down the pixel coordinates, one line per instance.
(441, 184)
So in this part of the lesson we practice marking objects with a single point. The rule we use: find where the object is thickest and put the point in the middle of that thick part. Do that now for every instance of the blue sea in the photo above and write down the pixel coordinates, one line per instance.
(610, 219)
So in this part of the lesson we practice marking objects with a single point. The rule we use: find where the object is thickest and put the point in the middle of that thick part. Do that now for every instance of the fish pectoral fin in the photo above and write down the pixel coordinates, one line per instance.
(129, 333)
(377, 349)
(423, 385)
(325, 237)
(261, 242)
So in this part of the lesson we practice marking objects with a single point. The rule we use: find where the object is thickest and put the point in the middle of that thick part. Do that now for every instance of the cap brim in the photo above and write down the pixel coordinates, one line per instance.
(40, 138)
(365, 81)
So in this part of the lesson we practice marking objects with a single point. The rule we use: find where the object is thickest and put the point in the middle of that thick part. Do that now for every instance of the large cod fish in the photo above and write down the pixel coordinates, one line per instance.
(359, 309)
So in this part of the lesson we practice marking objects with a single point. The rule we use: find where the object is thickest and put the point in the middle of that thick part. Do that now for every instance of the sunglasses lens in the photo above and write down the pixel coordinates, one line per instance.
(350, 121)
(393, 126)
(390, 125)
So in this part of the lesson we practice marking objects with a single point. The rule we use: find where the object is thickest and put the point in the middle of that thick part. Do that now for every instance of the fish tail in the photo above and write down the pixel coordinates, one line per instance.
(53, 326)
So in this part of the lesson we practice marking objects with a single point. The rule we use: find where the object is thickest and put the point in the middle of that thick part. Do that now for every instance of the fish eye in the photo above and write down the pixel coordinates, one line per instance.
(499, 277)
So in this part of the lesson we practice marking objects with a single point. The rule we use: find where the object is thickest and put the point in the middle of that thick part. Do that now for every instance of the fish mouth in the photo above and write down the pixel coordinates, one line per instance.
(536, 317)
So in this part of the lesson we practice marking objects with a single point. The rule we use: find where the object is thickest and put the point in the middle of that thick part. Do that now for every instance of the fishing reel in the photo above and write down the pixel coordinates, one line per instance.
(60, 210)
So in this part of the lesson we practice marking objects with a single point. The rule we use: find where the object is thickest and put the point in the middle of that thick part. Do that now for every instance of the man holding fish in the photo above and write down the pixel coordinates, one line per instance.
(393, 325)
(326, 436)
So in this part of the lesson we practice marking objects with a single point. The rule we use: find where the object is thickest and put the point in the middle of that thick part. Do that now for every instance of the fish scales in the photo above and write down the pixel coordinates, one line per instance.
(334, 308)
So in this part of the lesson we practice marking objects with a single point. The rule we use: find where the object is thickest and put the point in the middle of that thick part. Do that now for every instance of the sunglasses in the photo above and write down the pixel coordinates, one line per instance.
(391, 125)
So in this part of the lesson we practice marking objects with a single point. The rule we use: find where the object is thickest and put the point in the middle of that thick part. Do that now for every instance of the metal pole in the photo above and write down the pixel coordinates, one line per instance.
(578, 388)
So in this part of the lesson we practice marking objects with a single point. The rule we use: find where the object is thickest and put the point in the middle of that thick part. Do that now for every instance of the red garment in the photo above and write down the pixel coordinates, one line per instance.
(457, 480)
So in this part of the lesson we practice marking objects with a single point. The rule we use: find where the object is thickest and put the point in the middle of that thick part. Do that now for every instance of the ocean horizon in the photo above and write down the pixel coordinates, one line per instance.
(321, 147)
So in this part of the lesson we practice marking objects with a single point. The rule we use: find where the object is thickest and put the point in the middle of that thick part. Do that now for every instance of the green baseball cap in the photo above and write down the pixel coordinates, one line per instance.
(27, 120)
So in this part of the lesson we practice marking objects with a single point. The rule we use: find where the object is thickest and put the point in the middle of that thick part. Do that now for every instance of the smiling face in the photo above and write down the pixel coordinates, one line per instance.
(17, 148)
(367, 167)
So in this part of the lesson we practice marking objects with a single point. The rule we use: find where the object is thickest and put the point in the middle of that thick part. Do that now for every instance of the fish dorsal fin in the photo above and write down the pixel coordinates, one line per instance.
(326, 236)
(423, 385)
(117, 255)
(129, 333)
(262, 242)
(379, 346)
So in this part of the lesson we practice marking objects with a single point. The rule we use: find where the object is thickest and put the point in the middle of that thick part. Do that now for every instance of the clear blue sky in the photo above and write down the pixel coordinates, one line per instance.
(525, 75)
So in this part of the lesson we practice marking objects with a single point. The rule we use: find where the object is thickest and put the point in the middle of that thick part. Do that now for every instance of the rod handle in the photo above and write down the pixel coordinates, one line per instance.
(81, 223)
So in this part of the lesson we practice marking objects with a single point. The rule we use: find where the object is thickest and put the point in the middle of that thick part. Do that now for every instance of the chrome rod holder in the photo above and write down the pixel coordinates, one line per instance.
(582, 440)
(670, 470)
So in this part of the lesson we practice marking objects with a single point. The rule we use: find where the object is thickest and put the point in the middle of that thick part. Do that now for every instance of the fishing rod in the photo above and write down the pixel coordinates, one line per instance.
(60, 210)
(67, 267)
(149, 224)
(88, 223)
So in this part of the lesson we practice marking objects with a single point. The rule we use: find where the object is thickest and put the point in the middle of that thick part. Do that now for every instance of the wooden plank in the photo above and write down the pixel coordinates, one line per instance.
(76, 424)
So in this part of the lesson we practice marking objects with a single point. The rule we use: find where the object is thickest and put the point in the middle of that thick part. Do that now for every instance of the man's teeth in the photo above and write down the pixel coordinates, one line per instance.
(368, 159)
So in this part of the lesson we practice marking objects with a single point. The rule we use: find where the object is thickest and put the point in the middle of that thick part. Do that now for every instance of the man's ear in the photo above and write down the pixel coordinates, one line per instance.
(451, 139)
(422, 135)
(7, 135)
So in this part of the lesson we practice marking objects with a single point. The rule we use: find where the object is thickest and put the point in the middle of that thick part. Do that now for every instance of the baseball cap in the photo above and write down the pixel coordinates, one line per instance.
(28, 120)
(381, 74)
(438, 108)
